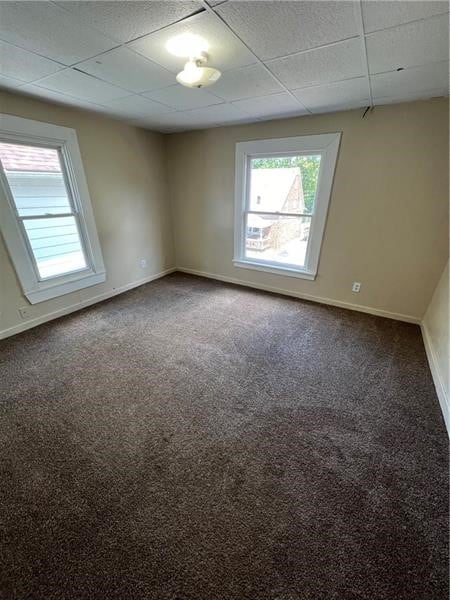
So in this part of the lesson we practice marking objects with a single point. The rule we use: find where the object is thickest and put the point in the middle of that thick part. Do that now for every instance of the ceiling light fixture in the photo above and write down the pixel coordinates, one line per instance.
(196, 75)
(193, 47)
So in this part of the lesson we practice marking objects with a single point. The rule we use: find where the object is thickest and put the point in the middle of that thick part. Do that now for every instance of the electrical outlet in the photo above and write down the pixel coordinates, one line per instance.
(143, 263)
(356, 287)
(24, 312)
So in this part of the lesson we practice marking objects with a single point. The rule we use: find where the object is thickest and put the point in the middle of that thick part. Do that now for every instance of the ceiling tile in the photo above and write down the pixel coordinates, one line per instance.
(150, 126)
(274, 29)
(23, 65)
(125, 21)
(340, 106)
(136, 106)
(333, 63)
(45, 94)
(379, 14)
(182, 98)
(219, 114)
(409, 45)
(195, 119)
(411, 81)
(45, 28)
(396, 99)
(335, 96)
(82, 86)
(127, 69)
(270, 106)
(246, 83)
(176, 121)
(225, 50)
(9, 82)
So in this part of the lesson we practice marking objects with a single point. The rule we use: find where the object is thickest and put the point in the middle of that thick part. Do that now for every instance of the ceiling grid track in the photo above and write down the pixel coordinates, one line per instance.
(362, 36)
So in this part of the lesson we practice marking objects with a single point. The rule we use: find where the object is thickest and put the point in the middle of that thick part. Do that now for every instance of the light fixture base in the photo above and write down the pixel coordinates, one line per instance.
(200, 59)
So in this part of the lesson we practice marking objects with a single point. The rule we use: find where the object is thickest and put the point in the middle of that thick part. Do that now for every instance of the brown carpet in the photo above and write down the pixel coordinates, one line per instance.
(196, 440)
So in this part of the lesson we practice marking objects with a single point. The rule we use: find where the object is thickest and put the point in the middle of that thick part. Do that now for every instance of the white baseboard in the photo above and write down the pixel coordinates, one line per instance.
(442, 394)
(358, 307)
(4, 333)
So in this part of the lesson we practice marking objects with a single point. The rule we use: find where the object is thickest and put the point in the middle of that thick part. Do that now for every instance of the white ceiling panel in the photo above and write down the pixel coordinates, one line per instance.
(218, 114)
(225, 51)
(274, 29)
(395, 99)
(411, 81)
(9, 82)
(409, 45)
(46, 29)
(23, 65)
(136, 106)
(267, 106)
(45, 94)
(196, 119)
(177, 121)
(182, 98)
(82, 86)
(332, 63)
(127, 69)
(246, 83)
(125, 21)
(340, 106)
(335, 96)
(379, 14)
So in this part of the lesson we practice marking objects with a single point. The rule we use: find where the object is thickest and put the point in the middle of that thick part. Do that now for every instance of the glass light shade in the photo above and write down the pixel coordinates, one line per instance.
(197, 76)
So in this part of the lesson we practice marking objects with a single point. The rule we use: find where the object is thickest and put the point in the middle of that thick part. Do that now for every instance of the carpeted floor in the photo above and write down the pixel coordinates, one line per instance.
(192, 440)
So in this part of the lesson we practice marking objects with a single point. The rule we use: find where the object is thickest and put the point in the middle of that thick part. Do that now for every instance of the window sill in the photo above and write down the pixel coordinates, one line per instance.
(56, 289)
(286, 271)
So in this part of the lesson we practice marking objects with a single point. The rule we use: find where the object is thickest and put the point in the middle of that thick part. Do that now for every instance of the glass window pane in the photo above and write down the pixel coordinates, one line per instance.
(277, 239)
(285, 184)
(56, 245)
(35, 179)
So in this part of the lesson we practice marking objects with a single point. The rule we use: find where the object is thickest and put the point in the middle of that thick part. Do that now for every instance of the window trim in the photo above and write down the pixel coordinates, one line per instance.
(327, 145)
(26, 131)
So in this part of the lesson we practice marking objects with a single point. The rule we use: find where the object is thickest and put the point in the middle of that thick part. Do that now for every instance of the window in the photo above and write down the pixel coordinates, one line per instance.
(283, 188)
(45, 212)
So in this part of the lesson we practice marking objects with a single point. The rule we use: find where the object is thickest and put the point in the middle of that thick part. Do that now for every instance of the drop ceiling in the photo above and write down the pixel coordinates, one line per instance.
(278, 58)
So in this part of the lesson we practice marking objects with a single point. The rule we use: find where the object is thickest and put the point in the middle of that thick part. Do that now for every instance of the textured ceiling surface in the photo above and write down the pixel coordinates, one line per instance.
(278, 58)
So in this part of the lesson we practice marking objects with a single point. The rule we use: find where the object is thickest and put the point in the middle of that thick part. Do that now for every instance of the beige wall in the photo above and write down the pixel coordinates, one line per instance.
(387, 225)
(436, 328)
(126, 173)
(388, 220)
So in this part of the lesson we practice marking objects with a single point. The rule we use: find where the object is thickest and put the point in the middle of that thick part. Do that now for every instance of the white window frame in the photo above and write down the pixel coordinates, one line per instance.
(327, 145)
(64, 140)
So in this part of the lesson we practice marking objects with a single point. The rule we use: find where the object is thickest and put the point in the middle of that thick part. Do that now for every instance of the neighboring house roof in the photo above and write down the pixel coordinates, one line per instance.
(259, 222)
(16, 157)
(272, 186)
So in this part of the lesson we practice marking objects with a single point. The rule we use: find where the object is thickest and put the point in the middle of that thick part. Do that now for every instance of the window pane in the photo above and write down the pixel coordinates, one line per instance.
(35, 179)
(277, 239)
(56, 245)
(285, 184)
